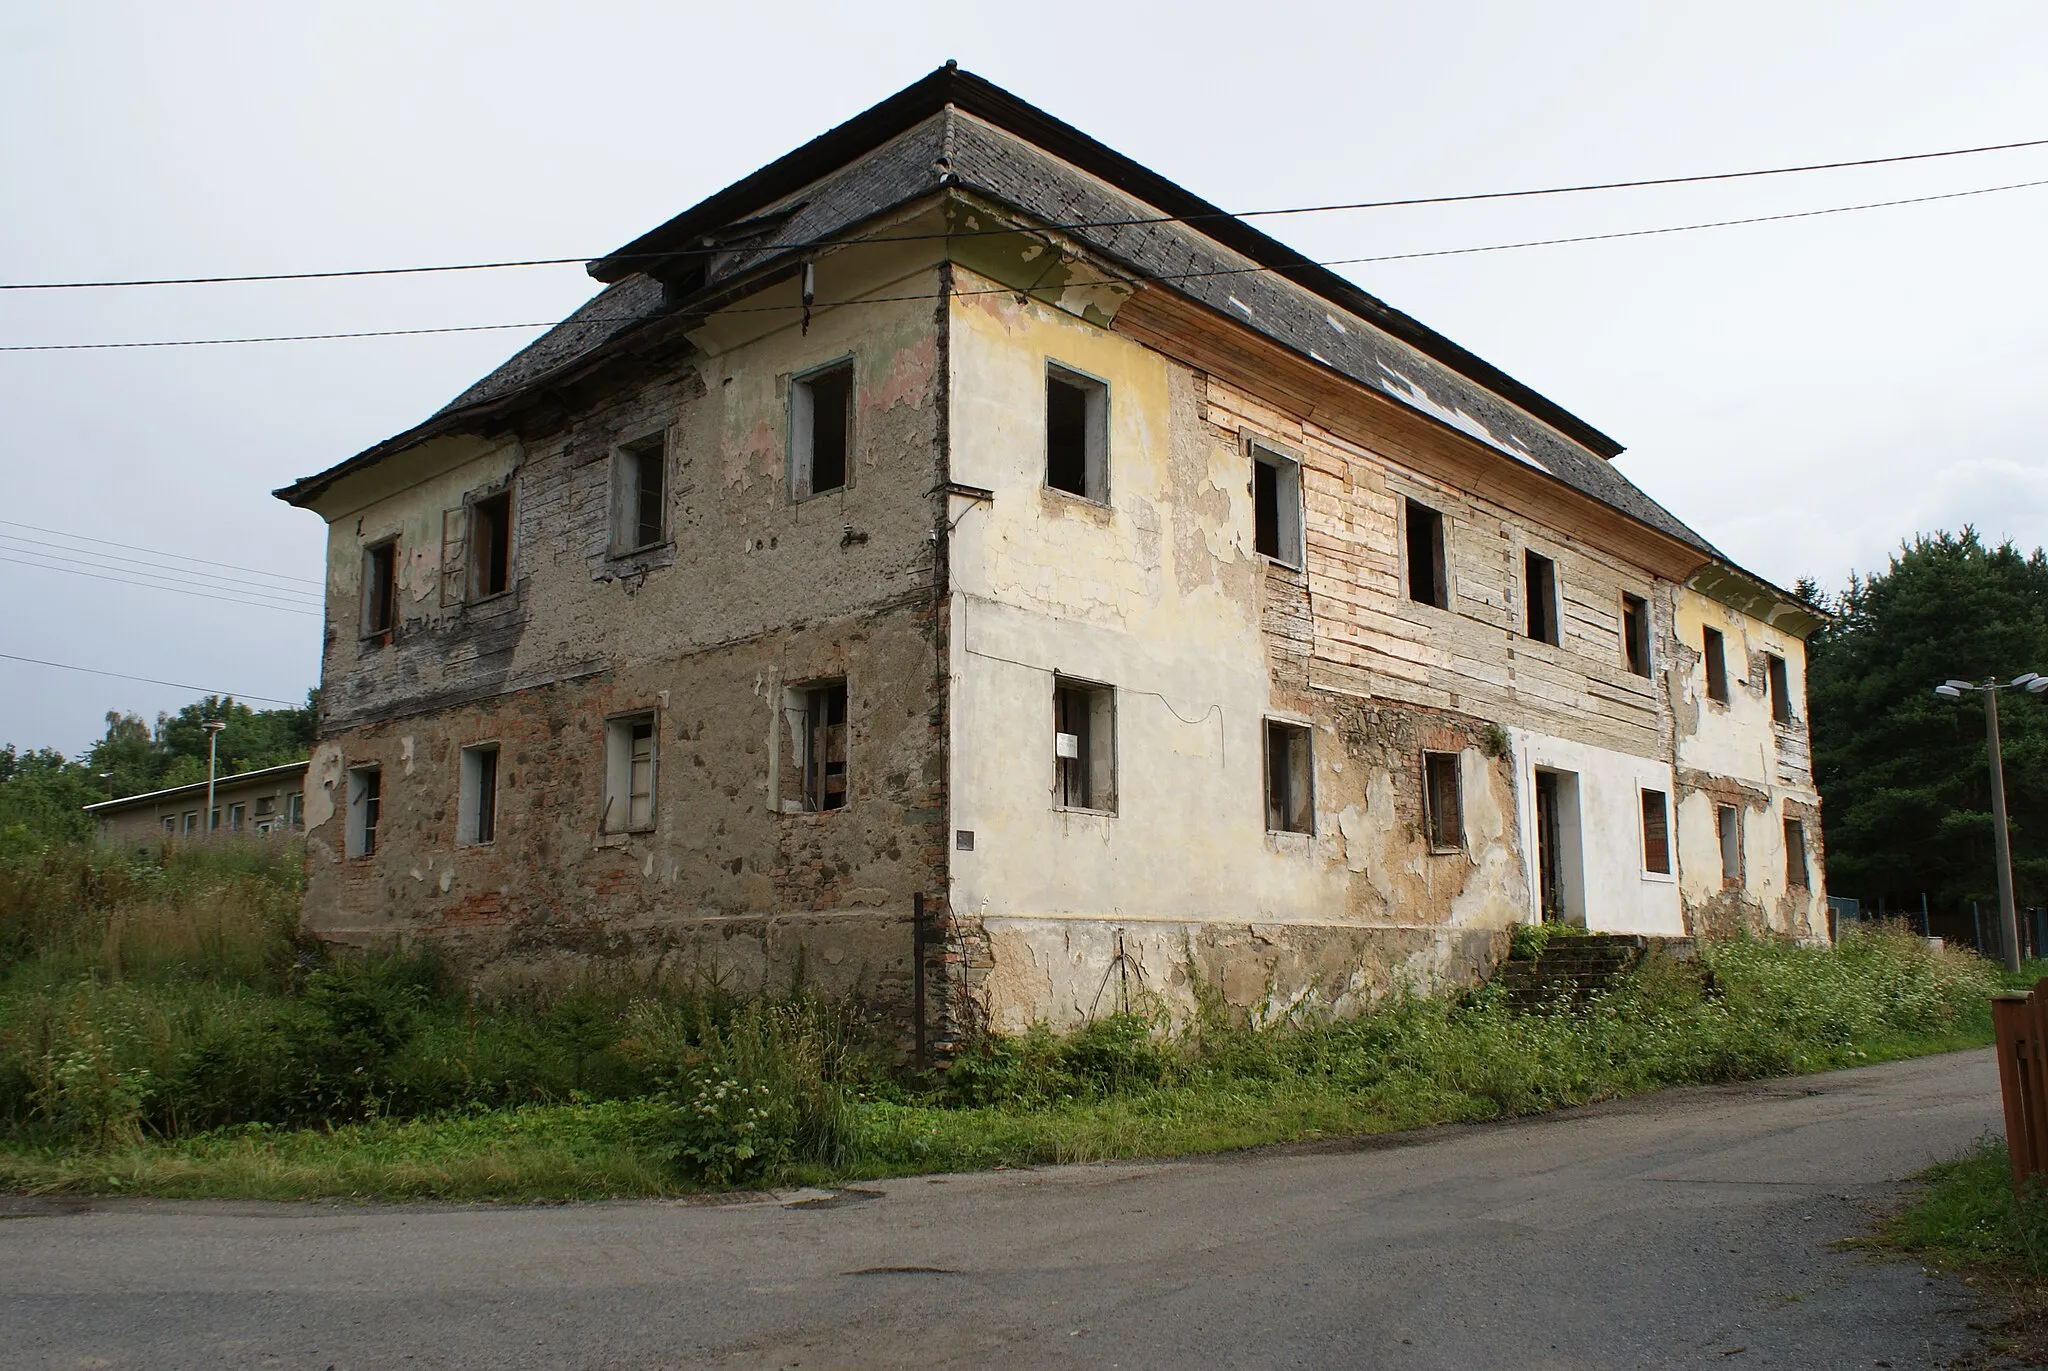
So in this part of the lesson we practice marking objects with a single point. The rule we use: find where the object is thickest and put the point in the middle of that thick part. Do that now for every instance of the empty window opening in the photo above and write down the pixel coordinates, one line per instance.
(1290, 793)
(640, 494)
(1656, 832)
(1539, 582)
(1076, 434)
(191, 821)
(1084, 745)
(1728, 823)
(477, 807)
(628, 774)
(365, 809)
(1443, 818)
(1427, 583)
(490, 546)
(1795, 855)
(824, 747)
(820, 430)
(1276, 506)
(1635, 633)
(380, 587)
(170, 824)
(1781, 689)
(213, 821)
(236, 814)
(295, 809)
(1717, 665)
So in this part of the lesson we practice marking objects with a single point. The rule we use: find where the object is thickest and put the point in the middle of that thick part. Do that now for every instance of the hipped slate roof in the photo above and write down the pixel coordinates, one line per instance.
(953, 129)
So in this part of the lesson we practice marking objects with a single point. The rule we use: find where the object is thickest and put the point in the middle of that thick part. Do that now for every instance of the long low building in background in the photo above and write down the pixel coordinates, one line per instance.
(257, 803)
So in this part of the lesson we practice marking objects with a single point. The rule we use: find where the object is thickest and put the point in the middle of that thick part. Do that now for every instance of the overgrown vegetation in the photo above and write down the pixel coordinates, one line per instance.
(164, 1028)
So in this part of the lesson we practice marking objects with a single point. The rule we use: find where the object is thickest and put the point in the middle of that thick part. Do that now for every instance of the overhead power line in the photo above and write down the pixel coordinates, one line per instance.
(151, 680)
(158, 552)
(1010, 290)
(165, 578)
(1469, 198)
(189, 575)
(160, 585)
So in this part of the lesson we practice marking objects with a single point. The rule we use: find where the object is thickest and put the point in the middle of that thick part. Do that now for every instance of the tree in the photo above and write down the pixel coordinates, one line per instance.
(1903, 774)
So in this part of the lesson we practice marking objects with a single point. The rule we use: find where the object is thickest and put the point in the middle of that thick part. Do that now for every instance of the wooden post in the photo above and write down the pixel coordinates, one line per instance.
(2008, 1020)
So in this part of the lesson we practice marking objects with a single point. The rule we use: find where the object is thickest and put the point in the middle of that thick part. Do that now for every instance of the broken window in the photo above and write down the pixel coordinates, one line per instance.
(1635, 633)
(814, 768)
(1781, 689)
(1443, 817)
(1084, 745)
(477, 805)
(1656, 832)
(820, 430)
(1795, 855)
(1290, 779)
(490, 546)
(640, 494)
(1717, 665)
(380, 587)
(365, 809)
(1539, 584)
(1427, 582)
(1276, 505)
(628, 774)
(1728, 823)
(1076, 434)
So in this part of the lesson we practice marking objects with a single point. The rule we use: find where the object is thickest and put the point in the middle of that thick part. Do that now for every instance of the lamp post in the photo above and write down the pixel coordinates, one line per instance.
(214, 749)
(2033, 684)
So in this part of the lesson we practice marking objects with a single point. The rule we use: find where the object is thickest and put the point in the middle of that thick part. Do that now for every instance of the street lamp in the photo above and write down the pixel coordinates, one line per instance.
(2034, 684)
(214, 746)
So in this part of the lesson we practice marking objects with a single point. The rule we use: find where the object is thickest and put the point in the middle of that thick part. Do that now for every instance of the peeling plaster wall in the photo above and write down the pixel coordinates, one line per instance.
(1157, 593)
(752, 591)
(1616, 894)
(1736, 754)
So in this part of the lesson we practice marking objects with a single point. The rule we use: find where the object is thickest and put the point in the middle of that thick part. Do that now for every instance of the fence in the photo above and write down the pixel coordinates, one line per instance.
(1972, 925)
(2020, 1021)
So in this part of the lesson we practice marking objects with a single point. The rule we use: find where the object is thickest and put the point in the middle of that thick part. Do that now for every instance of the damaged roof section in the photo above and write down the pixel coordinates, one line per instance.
(954, 130)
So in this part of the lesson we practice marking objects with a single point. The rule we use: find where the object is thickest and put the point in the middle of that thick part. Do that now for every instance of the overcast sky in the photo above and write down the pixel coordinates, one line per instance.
(1805, 394)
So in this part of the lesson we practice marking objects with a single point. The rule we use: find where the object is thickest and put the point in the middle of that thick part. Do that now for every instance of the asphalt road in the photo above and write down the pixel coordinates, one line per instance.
(1695, 1228)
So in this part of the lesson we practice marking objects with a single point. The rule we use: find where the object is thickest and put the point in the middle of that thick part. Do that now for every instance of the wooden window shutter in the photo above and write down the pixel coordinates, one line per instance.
(454, 554)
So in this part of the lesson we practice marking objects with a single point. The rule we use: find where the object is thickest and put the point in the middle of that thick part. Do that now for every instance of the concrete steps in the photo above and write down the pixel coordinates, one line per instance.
(1571, 968)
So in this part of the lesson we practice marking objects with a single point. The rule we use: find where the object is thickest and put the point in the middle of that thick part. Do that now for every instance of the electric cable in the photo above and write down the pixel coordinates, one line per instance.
(1012, 290)
(810, 244)
(151, 680)
(157, 552)
(213, 580)
(174, 589)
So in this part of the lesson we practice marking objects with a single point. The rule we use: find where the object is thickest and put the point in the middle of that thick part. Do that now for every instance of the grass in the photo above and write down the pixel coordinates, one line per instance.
(1967, 1221)
(165, 1031)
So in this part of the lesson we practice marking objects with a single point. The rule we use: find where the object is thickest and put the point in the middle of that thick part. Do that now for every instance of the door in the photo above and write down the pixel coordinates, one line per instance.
(1549, 849)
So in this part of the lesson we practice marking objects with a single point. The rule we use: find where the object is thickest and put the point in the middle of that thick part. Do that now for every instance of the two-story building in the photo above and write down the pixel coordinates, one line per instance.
(955, 508)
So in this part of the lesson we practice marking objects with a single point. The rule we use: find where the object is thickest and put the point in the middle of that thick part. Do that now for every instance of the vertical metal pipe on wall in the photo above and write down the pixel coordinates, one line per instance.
(917, 977)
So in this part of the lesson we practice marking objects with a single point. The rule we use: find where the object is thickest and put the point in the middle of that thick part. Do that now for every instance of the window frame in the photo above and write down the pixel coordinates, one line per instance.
(802, 429)
(1663, 812)
(1096, 762)
(474, 591)
(365, 811)
(1714, 659)
(238, 813)
(1798, 861)
(629, 460)
(1778, 680)
(1442, 834)
(1541, 589)
(378, 591)
(1728, 837)
(813, 761)
(1289, 503)
(1095, 431)
(1440, 553)
(619, 761)
(476, 812)
(1279, 805)
(1639, 640)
